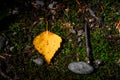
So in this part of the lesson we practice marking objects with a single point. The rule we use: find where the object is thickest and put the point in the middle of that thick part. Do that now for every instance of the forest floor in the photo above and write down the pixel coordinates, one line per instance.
(66, 19)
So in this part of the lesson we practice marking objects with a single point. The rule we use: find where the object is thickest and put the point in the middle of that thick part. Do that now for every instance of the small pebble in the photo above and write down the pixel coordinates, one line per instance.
(118, 62)
(91, 25)
(6, 43)
(80, 32)
(38, 61)
(15, 11)
(80, 67)
(41, 3)
(53, 12)
(91, 20)
(117, 13)
(11, 48)
(72, 31)
(80, 44)
(14, 33)
(98, 62)
(79, 39)
(50, 6)
(27, 47)
(70, 40)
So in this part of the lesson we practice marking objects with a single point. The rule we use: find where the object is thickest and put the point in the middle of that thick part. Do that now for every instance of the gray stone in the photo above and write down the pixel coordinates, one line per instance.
(80, 67)
(38, 61)
(2, 40)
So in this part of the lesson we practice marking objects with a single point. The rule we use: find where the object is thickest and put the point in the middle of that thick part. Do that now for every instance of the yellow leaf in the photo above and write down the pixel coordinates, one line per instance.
(47, 43)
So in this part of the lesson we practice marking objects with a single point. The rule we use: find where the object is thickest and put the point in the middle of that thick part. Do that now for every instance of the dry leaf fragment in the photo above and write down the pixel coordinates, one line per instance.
(47, 43)
(78, 3)
(67, 25)
(118, 26)
(101, 8)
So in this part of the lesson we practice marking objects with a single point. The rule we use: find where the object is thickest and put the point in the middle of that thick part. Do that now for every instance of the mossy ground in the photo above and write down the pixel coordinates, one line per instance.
(104, 41)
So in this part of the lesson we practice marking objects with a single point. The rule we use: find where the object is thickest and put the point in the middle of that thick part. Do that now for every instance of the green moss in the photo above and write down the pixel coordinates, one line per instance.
(103, 48)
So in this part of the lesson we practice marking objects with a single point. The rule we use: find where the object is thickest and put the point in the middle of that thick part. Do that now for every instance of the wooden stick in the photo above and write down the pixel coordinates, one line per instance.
(4, 75)
(88, 45)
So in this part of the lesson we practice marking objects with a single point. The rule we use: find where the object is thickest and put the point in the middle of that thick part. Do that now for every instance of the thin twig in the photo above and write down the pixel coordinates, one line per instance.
(2, 57)
(92, 14)
(4, 75)
(88, 46)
